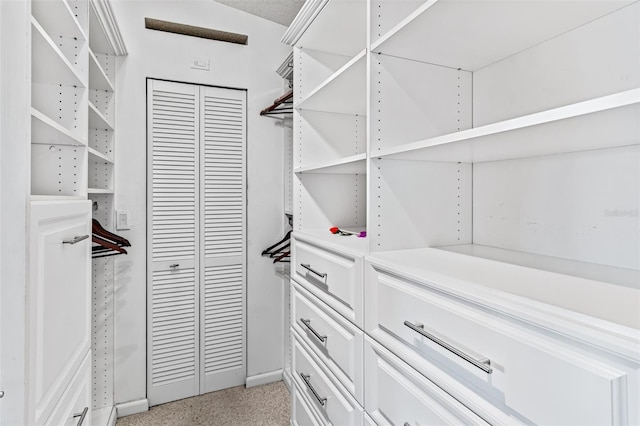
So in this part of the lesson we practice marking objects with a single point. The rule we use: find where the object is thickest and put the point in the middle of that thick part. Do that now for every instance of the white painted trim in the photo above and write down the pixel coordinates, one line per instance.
(132, 407)
(113, 417)
(303, 19)
(109, 25)
(288, 380)
(264, 378)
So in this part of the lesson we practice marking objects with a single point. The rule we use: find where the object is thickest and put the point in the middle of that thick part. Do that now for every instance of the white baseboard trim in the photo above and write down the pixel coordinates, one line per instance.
(264, 378)
(133, 407)
(287, 379)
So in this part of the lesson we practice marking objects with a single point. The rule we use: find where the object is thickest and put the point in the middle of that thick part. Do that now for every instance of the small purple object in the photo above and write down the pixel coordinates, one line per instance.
(362, 234)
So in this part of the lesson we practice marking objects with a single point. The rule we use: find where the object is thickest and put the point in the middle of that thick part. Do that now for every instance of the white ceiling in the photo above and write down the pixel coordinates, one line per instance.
(280, 11)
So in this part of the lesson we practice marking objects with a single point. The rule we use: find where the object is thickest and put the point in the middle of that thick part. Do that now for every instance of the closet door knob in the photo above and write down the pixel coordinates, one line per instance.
(174, 265)
(1, 394)
(75, 239)
(82, 416)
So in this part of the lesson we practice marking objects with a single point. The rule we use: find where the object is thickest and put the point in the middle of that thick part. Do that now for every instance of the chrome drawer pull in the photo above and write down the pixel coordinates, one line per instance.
(308, 268)
(75, 239)
(482, 364)
(307, 322)
(306, 377)
(81, 415)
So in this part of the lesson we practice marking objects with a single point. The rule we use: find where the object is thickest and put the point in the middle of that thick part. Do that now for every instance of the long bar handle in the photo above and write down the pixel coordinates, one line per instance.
(82, 416)
(308, 268)
(75, 239)
(306, 377)
(483, 364)
(307, 322)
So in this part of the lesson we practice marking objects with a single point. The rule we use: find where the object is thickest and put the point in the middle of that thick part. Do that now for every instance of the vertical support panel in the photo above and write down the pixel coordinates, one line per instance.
(173, 235)
(222, 247)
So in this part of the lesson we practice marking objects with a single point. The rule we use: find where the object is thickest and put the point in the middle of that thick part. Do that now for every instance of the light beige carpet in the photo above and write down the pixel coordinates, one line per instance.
(261, 405)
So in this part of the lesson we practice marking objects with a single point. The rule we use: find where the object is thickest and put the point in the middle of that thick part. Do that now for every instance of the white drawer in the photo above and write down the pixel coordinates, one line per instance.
(327, 395)
(533, 376)
(333, 277)
(75, 399)
(336, 341)
(302, 412)
(397, 394)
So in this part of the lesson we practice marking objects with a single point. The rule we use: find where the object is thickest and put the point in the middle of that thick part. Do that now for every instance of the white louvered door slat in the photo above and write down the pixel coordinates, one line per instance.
(223, 214)
(173, 205)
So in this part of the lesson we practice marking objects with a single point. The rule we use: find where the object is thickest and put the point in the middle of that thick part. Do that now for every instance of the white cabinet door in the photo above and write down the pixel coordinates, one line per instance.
(59, 300)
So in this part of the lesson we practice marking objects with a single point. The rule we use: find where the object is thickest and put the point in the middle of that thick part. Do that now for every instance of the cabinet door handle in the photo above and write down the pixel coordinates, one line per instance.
(174, 265)
(75, 239)
(307, 322)
(483, 364)
(81, 415)
(308, 268)
(306, 377)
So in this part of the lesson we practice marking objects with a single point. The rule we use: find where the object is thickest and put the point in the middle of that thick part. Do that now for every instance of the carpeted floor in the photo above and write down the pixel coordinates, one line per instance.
(267, 405)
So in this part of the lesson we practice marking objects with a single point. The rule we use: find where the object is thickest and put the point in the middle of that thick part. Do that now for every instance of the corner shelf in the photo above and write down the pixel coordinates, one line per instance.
(45, 130)
(578, 127)
(95, 155)
(351, 165)
(100, 191)
(97, 77)
(58, 69)
(56, 17)
(464, 25)
(343, 92)
(97, 120)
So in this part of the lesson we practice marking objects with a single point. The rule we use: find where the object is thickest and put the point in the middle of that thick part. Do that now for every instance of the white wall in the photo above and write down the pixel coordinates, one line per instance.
(166, 56)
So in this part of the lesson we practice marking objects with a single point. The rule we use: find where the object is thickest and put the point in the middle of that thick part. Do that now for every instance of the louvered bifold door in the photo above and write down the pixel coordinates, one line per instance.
(173, 327)
(223, 217)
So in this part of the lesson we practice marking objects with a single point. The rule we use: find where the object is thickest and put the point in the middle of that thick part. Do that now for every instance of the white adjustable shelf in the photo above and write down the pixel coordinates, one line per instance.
(479, 33)
(349, 243)
(97, 77)
(97, 120)
(57, 18)
(605, 292)
(95, 155)
(606, 122)
(347, 20)
(351, 165)
(343, 92)
(45, 130)
(36, 197)
(51, 66)
(99, 191)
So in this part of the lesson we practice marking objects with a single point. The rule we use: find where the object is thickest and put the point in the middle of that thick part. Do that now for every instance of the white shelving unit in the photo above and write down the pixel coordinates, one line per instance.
(490, 149)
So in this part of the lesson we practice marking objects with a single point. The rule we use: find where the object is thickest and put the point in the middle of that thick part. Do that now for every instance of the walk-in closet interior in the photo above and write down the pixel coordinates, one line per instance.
(411, 212)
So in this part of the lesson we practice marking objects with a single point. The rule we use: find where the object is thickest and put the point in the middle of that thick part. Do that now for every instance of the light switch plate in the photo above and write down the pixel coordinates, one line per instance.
(200, 64)
(123, 220)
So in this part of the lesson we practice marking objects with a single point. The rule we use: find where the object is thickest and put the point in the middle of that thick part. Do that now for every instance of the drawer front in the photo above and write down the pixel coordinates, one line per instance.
(328, 397)
(302, 412)
(529, 375)
(397, 394)
(336, 341)
(76, 398)
(59, 300)
(335, 278)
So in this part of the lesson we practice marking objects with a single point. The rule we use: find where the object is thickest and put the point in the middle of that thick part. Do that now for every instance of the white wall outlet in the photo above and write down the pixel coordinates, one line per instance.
(123, 220)
(200, 64)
